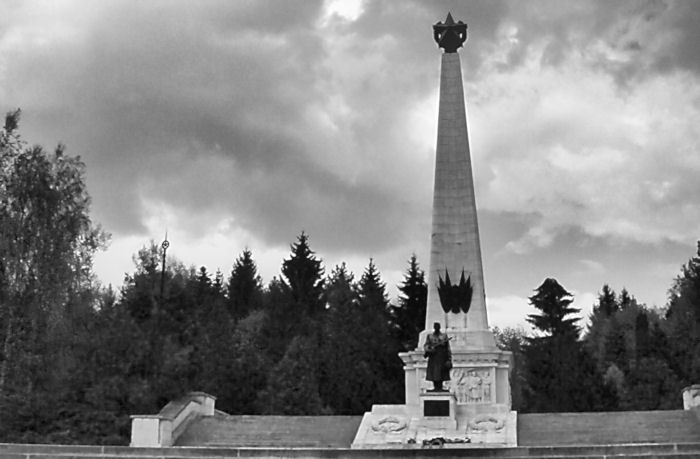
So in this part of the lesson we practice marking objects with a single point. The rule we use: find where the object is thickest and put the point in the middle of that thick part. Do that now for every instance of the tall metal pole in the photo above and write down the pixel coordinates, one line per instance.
(164, 246)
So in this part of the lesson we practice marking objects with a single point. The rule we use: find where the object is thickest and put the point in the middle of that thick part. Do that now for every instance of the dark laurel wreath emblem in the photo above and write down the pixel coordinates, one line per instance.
(455, 298)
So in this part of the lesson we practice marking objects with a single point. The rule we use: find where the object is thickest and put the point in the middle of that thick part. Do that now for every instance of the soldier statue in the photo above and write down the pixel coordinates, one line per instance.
(437, 351)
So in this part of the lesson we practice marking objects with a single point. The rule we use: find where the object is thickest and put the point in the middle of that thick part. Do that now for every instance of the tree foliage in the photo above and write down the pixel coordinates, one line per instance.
(554, 303)
(560, 374)
(683, 321)
(77, 359)
(244, 286)
(303, 278)
(47, 242)
(408, 316)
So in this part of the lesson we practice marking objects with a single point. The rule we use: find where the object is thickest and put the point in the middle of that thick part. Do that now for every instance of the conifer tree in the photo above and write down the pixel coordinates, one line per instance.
(625, 300)
(599, 326)
(560, 375)
(607, 301)
(372, 292)
(554, 303)
(379, 357)
(244, 287)
(294, 303)
(338, 380)
(303, 278)
(408, 316)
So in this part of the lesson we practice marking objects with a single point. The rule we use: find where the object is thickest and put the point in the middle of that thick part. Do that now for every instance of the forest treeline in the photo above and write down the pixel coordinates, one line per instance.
(77, 358)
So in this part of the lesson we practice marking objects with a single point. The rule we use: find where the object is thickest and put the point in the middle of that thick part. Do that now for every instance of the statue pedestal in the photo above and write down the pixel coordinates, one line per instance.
(478, 377)
(476, 405)
(438, 411)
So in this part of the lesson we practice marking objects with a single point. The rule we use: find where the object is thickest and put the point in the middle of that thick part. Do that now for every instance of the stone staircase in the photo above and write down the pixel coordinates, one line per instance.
(641, 434)
(648, 451)
(271, 431)
(609, 428)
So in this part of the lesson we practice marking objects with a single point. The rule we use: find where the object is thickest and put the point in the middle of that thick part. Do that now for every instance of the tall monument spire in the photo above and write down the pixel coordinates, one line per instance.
(476, 397)
(456, 296)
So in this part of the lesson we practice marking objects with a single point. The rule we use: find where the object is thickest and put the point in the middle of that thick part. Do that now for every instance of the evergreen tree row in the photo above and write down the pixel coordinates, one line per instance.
(630, 357)
(76, 359)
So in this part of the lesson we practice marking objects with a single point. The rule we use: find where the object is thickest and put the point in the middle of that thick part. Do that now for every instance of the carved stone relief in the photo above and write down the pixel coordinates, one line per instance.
(486, 423)
(389, 424)
(471, 386)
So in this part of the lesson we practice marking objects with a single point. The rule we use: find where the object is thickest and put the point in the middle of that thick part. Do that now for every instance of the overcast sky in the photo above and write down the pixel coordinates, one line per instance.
(236, 124)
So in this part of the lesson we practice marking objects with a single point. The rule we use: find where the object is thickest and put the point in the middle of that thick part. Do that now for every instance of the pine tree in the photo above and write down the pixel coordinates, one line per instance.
(560, 375)
(408, 317)
(625, 300)
(607, 302)
(379, 348)
(599, 326)
(341, 291)
(303, 278)
(244, 286)
(338, 379)
(372, 292)
(555, 305)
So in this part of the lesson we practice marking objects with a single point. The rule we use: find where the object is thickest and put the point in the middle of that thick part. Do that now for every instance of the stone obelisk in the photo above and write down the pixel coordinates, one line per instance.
(480, 371)
(455, 250)
(476, 398)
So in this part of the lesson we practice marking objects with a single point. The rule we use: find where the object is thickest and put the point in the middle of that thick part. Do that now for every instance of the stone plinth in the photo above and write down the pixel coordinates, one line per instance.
(386, 426)
(438, 411)
(481, 389)
(477, 378)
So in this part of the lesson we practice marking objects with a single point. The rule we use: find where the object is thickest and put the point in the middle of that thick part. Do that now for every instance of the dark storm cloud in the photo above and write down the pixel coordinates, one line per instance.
(164, 96)
(150, 79)
(629, 39)
(274, 117)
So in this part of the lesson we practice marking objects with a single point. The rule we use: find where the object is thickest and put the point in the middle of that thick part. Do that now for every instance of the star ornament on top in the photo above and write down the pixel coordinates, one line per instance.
(450, 35)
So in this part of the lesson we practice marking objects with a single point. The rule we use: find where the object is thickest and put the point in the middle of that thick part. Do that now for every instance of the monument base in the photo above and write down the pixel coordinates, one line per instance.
(403, 427)
(477, 378)
(475, 409)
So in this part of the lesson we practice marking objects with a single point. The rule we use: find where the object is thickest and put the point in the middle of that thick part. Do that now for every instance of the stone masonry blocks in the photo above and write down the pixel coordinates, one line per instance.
(455, 241)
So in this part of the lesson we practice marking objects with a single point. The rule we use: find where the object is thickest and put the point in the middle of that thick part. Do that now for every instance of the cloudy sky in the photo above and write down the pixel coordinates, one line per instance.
(236, 124)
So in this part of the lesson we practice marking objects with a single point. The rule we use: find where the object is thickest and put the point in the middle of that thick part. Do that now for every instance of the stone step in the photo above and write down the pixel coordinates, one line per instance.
(272, 431)
(552, 429)
(648, 451)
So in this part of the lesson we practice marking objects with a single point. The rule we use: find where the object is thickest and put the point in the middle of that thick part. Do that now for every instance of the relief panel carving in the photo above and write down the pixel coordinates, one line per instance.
(469, 385)
(472, 386)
